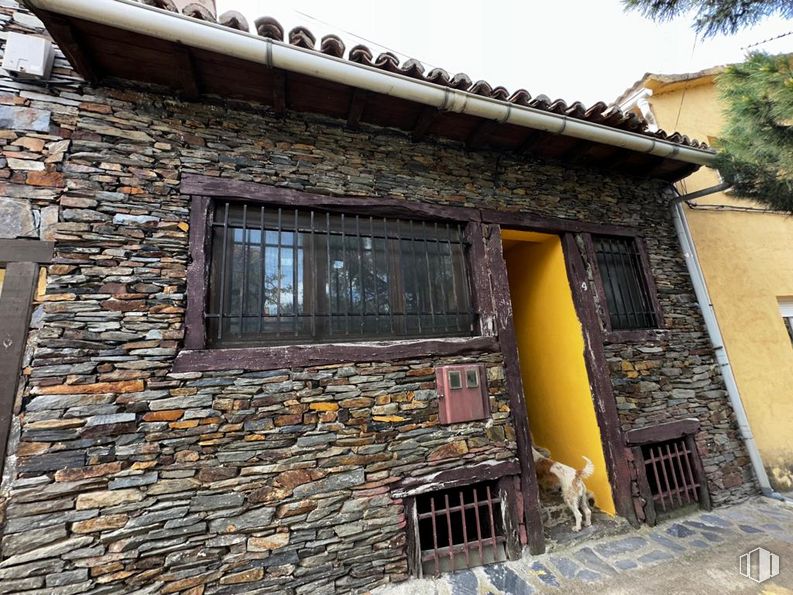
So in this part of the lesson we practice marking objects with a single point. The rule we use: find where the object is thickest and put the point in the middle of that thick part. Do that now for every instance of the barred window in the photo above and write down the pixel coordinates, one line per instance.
(282, 276)
(628, 298)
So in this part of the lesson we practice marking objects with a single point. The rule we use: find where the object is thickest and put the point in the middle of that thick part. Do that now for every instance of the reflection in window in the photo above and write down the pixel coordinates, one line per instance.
(625, 284)
(292, 275)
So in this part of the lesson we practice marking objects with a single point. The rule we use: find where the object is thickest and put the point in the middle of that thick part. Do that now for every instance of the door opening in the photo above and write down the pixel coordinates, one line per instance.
(556, 385)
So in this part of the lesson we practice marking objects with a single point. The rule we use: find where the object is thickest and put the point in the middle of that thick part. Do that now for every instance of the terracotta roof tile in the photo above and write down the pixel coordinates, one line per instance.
(267, 27)
(234, 20)
(302, 38)
(332, 45)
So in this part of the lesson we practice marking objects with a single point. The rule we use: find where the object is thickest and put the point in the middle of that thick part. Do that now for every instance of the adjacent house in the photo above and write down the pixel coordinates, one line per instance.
(744, 254)
(283, 316)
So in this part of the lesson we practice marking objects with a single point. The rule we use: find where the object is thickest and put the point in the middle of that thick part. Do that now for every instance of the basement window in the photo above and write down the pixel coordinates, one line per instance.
(460, 528)
(671, 475)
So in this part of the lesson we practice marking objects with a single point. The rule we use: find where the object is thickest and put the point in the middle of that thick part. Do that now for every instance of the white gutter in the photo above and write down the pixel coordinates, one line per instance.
(132, 16)
(712, 325)
(641, 99)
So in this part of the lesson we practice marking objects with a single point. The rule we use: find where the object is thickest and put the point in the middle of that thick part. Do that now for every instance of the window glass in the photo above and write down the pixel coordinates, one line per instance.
(292, 275)
(625, 284)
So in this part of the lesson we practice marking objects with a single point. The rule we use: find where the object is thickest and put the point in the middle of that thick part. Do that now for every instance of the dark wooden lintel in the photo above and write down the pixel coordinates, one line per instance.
(279, 91)
(288, 356)
(357, 105)
(662, 432)
(426, 117)
(26, 251)
(363, 205)
(187, 74)
(413, 486)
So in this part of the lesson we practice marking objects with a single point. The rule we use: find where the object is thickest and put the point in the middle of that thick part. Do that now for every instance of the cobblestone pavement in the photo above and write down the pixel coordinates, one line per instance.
(693, 554)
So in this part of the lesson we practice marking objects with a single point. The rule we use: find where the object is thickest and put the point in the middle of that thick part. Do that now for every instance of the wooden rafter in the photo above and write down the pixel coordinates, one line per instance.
(479, 135)
(279, 91)
(187, 74)
(357, 105)
(426, 117)
(72, 45)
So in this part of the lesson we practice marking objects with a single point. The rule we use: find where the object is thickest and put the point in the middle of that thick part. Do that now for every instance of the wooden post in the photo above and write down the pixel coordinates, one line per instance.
(197, 271)
(600, 380)
(502, 307)
(16, 300)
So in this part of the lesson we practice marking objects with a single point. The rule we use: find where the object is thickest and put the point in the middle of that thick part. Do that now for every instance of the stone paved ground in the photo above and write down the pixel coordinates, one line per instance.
(695, 554)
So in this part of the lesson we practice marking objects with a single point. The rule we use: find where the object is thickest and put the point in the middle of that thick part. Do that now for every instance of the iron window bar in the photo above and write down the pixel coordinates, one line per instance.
(460, 527)
(286, 276)
(670, 472)
(624, 280)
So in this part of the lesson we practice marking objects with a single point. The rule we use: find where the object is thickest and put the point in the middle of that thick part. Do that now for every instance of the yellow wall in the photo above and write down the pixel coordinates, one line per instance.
(747, 260)
(551, 345)
(2, 278)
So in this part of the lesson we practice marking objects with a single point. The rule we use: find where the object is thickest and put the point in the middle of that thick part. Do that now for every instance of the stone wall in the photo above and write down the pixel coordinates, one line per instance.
(123, 475)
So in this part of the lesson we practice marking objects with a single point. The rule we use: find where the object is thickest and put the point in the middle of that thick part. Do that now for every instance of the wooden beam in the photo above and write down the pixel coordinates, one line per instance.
(365, 205)
(197, 274)
(478, 136)
(576, 150)
(452, 478)
(26, 251)
(71, 43)
(15, 305)
(187, 75)
(662, 432)
(533, 140)
(279, 91)
(357, 104)
(600, 380)
(618, 162)
(426, 117)
(320, 354)
(502, 304)
(653, 162)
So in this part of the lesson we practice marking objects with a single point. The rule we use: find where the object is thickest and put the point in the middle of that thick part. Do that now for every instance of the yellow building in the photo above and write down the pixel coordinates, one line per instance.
(745, 253)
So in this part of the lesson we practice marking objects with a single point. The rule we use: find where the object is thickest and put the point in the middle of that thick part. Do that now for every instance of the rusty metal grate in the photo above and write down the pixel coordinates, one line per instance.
(460, 528)
(672, 475)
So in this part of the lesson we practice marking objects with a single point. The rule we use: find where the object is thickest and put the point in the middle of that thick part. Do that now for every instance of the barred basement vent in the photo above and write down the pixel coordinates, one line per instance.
(671, 475)
(460, 528)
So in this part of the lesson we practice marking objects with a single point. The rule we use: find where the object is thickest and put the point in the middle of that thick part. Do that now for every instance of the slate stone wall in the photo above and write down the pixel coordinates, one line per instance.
(124, 475)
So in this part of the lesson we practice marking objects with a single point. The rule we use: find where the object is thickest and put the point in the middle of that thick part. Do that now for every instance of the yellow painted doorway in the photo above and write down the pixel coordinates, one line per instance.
(551, 346)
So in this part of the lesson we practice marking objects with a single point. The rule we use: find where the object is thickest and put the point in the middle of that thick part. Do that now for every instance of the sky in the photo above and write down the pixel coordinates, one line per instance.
(586, 50)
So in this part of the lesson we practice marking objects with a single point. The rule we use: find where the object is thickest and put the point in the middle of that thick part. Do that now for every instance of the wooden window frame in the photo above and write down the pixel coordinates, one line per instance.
(685, 429)
(197, 356)
(505, 474)
(21, 260)
(627, 335)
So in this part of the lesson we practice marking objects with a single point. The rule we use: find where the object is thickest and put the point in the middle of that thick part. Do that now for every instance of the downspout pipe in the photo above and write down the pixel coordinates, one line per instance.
(132, 16)
(712, 325)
